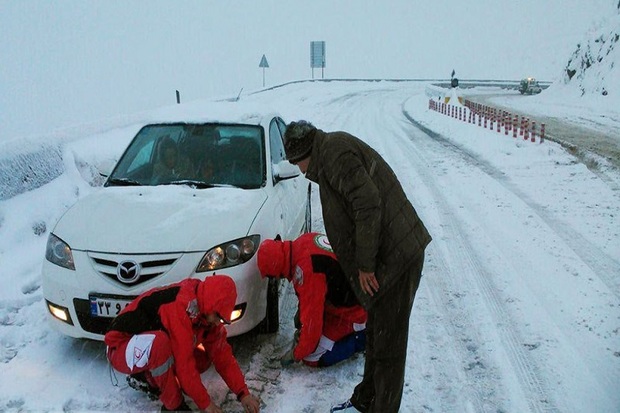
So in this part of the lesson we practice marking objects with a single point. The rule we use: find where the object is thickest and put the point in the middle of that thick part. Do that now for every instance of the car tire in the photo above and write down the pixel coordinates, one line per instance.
(271, 322)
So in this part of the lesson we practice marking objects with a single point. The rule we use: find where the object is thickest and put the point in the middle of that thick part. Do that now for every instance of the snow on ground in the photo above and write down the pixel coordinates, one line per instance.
(518, 309)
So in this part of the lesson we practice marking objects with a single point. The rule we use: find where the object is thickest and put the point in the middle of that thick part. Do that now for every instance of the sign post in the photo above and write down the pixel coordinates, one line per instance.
(317, 57)
(263, 63)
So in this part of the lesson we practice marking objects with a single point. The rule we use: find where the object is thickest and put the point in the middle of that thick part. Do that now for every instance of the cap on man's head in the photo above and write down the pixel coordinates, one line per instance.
(217, 294)
(298, 140)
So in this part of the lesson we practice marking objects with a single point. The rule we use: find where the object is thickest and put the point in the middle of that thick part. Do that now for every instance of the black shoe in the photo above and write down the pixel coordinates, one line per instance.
(183, 407)
(138, 382)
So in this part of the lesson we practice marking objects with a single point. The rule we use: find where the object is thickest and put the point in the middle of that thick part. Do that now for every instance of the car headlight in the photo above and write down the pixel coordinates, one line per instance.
(59, 253)
(229, 254)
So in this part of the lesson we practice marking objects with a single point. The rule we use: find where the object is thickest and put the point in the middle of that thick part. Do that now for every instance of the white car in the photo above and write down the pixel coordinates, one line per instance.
(194, 194)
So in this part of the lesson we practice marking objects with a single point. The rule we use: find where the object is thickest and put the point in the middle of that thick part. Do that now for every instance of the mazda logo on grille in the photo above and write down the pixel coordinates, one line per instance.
(128, 271)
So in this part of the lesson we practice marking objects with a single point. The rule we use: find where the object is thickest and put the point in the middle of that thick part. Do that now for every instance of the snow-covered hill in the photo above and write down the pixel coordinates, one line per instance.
(593, 69)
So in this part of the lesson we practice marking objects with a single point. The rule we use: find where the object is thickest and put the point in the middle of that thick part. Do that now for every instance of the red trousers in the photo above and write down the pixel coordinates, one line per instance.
(339, 322)
(150, 352)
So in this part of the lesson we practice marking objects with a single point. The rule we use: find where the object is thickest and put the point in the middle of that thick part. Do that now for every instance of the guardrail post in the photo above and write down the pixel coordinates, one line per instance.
(526, 132)
(499, 118)
(515, 126)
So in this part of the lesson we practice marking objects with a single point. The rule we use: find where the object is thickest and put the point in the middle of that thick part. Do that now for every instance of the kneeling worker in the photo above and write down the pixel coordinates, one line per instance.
(170, 335)
(331, 322)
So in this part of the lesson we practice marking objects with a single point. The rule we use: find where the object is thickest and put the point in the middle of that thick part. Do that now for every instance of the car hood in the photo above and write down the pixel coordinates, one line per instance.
(170, 218)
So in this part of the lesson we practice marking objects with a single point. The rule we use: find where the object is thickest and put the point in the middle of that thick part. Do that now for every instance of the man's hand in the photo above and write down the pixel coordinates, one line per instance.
(287, 358)
(368, 282)
(213, 408)
(250, 404)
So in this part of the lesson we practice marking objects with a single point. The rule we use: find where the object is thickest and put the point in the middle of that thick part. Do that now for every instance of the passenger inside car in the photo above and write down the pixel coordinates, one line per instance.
(208, 170)
(170, 165)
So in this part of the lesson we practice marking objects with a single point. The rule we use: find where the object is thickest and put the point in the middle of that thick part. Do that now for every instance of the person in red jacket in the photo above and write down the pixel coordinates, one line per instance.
(332, 322)
(172, 334)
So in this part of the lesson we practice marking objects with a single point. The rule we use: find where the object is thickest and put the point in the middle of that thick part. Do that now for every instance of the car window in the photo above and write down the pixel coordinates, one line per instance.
(137, 162)
(142, 157)
(281, 125)
(203, 155)
(276, 142)
(240, 156)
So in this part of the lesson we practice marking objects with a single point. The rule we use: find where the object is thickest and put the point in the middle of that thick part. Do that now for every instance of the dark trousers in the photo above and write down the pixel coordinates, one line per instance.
(387, 333)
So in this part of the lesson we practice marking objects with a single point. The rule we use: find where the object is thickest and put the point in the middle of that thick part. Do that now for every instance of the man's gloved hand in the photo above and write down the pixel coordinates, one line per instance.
(287, 358)
(250, 404)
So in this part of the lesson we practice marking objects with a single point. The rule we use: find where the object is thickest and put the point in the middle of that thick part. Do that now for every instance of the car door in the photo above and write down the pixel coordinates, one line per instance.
(291, 193)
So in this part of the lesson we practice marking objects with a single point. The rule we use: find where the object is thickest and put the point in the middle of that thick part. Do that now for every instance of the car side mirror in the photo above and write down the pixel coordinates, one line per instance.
(285, 170)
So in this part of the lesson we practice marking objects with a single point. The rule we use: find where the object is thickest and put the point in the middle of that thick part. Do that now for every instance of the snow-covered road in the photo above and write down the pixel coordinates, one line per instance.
(518, 309)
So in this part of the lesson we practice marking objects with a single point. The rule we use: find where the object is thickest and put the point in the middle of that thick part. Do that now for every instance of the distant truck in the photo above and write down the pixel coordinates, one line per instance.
(529, 86)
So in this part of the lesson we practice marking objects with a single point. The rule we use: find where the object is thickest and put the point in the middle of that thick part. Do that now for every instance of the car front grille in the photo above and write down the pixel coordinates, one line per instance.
(130, 270)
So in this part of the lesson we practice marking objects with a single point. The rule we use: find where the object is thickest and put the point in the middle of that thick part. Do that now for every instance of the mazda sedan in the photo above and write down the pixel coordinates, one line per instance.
(193, 195)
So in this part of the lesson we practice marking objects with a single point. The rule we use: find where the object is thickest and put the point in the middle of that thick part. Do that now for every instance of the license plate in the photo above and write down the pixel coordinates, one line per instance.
(107, 306)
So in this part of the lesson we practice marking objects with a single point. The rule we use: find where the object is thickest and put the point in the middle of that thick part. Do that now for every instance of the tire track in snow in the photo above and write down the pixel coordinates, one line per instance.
(473, 269)
(605, 267)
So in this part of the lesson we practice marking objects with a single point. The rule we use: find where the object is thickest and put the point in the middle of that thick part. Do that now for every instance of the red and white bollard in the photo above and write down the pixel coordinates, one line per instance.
(515, 122)
(526, 131)
(499, 119)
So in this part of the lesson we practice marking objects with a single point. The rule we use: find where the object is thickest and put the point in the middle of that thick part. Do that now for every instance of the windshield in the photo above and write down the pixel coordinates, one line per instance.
(202, 155)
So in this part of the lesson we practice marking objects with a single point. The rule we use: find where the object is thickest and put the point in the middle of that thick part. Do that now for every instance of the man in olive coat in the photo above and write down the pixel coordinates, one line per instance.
(379, 241)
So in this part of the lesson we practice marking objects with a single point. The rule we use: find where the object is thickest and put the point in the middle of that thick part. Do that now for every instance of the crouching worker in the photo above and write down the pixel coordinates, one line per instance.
(170, 335)
(330, 320)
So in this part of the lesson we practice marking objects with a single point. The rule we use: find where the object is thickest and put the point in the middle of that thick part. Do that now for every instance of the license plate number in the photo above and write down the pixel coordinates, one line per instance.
(107, 307)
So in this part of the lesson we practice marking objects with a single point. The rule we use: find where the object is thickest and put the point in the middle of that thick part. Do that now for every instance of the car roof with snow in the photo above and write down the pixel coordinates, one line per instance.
(213, 112)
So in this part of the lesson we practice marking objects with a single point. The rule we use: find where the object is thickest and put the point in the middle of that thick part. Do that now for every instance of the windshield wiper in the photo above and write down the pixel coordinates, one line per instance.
(123, 182)
(196, 184)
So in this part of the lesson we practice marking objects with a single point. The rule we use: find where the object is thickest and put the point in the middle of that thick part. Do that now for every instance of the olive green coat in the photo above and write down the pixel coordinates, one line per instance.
(369, 221)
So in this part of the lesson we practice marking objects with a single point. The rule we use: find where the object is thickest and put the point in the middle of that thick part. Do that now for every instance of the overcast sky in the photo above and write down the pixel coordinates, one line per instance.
(70, 62)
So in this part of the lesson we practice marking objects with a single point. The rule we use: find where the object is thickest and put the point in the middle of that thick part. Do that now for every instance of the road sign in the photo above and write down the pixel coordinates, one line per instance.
(263, 63)
(317, 57)
(317, 54)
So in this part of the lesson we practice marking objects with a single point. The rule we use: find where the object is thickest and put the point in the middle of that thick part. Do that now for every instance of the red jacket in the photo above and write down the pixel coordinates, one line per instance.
(175, 310)
(319, 283)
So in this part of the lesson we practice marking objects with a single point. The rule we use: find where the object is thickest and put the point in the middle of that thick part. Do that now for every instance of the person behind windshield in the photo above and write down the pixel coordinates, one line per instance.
(206, 171)
(169, 166)
(169, 335)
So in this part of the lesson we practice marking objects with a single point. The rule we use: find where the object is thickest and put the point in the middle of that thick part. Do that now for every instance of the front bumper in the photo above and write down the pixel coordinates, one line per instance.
(68, 291)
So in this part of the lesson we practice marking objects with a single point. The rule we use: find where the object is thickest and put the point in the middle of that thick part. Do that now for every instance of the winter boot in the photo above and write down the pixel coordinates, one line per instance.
(346, 407)
(139, 382)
